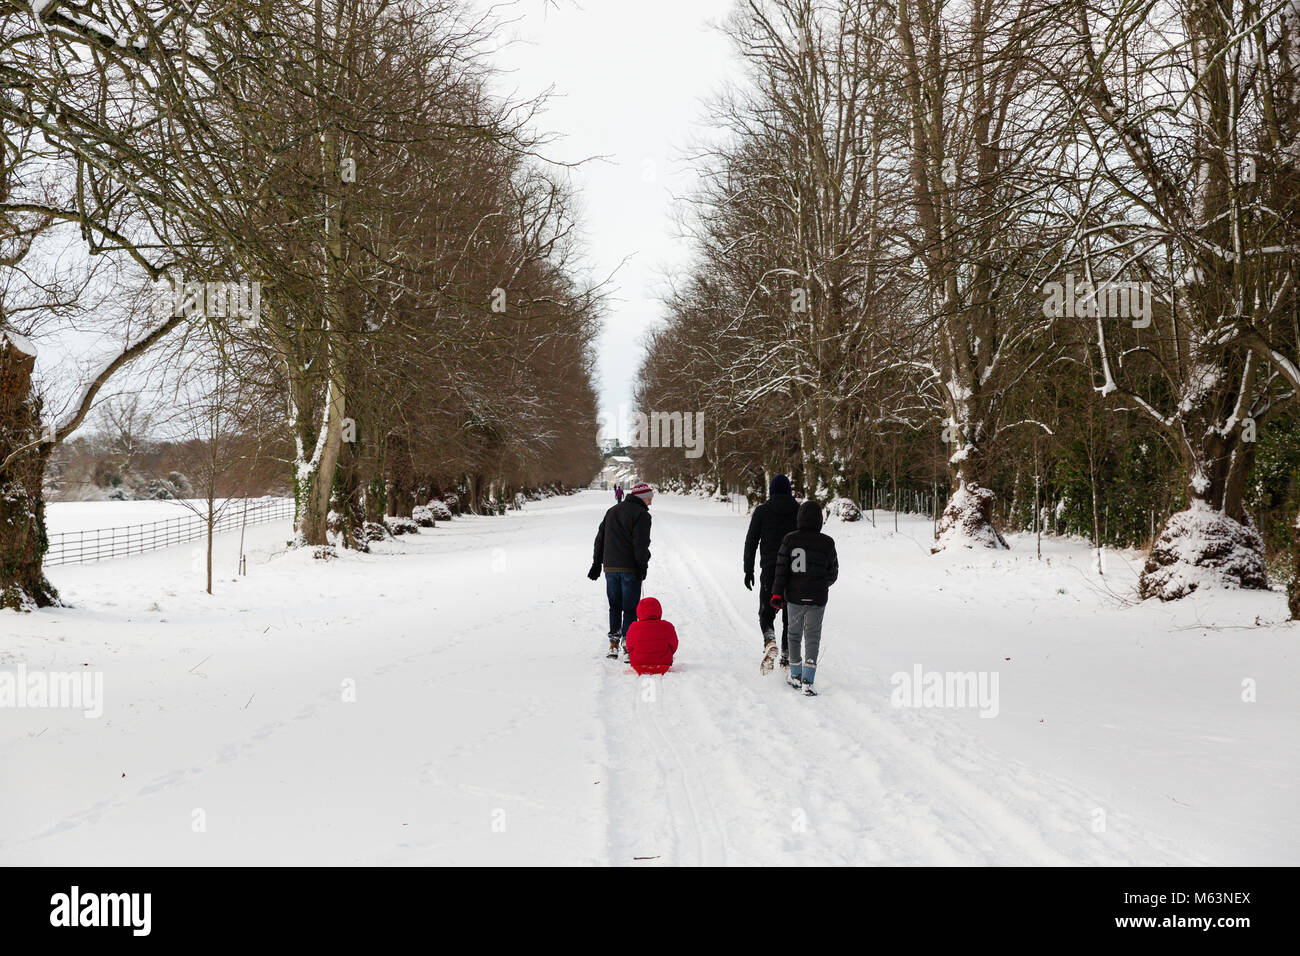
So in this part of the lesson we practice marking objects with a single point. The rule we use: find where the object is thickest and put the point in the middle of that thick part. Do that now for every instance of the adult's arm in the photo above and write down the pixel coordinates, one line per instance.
(598, 552)
(782, 567)
(752, 536)
(641, 543)
(832, 567)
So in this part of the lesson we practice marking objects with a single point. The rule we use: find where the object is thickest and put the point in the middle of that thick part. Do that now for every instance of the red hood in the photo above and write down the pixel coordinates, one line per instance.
(649, 610)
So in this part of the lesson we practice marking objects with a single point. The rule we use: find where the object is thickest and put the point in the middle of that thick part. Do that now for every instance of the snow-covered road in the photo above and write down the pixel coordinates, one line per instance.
(448, 701)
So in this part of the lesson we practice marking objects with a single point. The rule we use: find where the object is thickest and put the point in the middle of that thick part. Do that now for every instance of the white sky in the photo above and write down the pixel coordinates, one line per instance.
(629, 83)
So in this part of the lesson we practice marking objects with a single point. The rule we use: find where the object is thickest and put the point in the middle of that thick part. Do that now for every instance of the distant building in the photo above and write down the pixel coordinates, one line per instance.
(618, 468)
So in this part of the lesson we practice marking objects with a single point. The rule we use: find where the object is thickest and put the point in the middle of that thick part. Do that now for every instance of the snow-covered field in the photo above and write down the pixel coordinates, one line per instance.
(447, 701)
(68, 516)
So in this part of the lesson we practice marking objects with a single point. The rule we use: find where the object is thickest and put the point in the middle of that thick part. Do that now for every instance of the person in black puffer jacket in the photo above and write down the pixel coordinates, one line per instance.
(770, 523)
(806, 567)
(623, 548)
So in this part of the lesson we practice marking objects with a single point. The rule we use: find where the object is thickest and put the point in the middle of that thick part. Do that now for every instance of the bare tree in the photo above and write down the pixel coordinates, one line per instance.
(1180, 117)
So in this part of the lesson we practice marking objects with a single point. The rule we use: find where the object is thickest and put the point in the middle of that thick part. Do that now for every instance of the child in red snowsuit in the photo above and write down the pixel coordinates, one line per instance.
(651, 642)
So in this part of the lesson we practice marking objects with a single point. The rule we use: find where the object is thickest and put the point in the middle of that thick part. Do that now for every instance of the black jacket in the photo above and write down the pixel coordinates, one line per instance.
(623, 541)
(806, 563)
(771, 522)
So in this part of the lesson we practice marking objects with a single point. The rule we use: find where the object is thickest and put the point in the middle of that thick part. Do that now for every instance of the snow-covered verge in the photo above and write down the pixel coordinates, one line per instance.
(446, 700)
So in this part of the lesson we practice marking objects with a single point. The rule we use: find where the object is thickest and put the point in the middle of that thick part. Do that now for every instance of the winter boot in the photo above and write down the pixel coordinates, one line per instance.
(769, 658)
(807, 675)
(613, 648)
(794, 675)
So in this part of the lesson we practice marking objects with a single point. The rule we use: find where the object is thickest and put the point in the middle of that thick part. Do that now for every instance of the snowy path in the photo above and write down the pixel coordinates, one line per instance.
(831, 780)
(487, 726)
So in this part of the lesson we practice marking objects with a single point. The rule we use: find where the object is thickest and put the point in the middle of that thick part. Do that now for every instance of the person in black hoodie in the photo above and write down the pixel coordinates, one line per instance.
(623, 548)
(806, 567)
(770, 523)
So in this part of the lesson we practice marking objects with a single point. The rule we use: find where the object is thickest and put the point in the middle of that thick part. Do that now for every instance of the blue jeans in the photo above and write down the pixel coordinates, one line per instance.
(624, 591)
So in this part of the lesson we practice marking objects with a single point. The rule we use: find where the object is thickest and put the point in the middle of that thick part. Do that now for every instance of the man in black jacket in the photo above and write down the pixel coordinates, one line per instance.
(806, 567)
(623, 547)
(770, 523)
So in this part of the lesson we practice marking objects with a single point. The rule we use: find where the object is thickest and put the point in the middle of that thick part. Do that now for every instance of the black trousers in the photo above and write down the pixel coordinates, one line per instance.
(767, 613)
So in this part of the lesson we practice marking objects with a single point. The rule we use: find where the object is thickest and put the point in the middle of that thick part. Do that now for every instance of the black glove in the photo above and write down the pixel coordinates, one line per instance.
(594, 573)
(749, 580)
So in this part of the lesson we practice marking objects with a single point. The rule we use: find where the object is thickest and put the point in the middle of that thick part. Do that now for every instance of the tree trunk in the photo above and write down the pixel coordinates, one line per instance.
(1204, 543)
(317, 461)
(1213, 540)
(808, 478)
(375, 500)
(348, 504)
(967, 520)
(400, 491)
(1293, 589)
(22, 503)
(315, 476)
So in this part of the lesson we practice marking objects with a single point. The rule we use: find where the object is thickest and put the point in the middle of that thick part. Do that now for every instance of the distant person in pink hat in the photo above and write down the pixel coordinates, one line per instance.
(623, 549)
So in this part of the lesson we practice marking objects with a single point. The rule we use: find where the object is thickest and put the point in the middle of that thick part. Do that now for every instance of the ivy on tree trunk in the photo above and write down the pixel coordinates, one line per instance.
(23, 541)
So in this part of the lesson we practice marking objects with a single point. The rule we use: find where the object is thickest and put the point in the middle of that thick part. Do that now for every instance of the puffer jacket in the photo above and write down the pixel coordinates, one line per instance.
(806, 563)
(623, 541)
(651, 642)
(768, 526)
